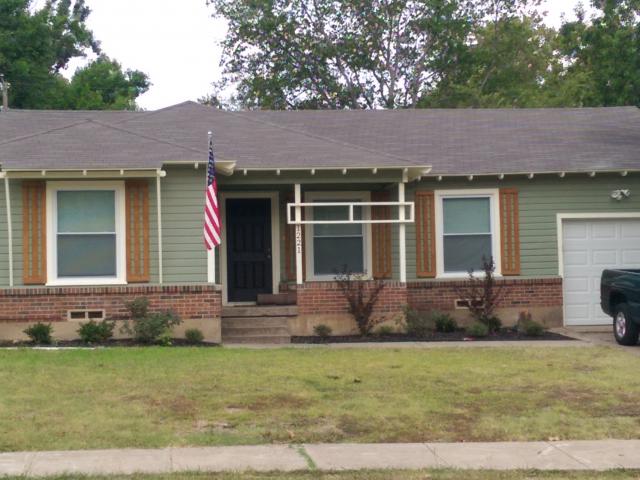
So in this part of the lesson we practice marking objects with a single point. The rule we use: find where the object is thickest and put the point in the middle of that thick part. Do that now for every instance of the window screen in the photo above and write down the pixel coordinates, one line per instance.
(86, 233)
(466, 233)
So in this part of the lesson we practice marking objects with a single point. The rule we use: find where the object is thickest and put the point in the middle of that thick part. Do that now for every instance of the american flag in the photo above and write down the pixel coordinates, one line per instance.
(211, 212)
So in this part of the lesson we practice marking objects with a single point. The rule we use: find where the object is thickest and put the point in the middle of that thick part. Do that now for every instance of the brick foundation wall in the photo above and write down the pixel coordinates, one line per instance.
(327, 298)
(516, 293)
(50, 304)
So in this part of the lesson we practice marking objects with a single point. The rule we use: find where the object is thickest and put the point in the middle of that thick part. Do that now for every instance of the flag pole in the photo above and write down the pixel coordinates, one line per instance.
(211, 254)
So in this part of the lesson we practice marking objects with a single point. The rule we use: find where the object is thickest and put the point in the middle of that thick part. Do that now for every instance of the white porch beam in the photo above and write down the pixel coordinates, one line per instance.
(402, 236)
(298, 199)
(159, 214)
(7, 194)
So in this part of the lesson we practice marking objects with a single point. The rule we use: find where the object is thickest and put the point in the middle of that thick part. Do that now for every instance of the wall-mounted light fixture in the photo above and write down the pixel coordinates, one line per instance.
(620, 194)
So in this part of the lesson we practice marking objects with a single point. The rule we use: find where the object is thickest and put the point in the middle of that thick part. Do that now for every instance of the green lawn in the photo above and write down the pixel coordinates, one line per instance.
(156, 397)
(381, 475)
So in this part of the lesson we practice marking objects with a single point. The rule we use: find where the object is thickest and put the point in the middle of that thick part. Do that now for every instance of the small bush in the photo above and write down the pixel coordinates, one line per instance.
(40, 333)
(478, 330)
(444, 322)
(493, 323)
(94, 332)
(193, 336)
(148, 327)
(527, 326)
(384, 331)
(322, 330)
(418, 324)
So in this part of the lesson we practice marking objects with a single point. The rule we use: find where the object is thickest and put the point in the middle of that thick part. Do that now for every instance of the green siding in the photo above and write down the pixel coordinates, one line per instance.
(182, 204)
(541, 199)
(184, 255)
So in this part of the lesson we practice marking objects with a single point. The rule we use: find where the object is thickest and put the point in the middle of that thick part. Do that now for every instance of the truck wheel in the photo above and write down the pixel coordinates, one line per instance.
(625, 330)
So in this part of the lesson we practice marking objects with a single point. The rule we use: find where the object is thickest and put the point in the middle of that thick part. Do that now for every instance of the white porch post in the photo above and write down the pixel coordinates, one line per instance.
(7, 194)
(402, 235)
(159, 175)
(298, 199)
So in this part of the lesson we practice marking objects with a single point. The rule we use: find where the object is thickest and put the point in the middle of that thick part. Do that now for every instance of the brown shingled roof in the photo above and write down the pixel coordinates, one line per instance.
(452, 141)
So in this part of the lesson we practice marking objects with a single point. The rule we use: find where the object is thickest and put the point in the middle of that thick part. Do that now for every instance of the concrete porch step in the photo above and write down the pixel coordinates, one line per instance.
(257, 339)
(260, 311)
(255, 330)
(248, 322)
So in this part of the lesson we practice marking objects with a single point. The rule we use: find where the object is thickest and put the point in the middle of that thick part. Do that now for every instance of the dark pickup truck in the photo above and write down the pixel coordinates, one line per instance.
(620, 298)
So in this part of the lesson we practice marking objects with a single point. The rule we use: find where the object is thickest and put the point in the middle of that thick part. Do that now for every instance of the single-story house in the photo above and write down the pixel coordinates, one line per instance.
(97, 208)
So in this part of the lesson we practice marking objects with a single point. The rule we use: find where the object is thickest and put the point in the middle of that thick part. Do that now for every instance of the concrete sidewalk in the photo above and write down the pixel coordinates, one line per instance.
(570, 455)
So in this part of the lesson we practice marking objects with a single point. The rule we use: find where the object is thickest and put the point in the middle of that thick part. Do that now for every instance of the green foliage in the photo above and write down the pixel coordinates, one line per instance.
(322, 330)
(398, 53)
(478, 330)
(103, 85)
(444, 322)
(527, 326)
(96, 332)
(37, 43)
(384, 331)
(194, 336)
(418, 324)
(40, 333)
(147, 327)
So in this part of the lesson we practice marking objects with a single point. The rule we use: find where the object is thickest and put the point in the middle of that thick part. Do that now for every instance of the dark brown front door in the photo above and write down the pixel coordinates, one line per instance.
(248, 248)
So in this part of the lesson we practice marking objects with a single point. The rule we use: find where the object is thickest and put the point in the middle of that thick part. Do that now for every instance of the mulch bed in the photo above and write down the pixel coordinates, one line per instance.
(457, 336)
(177, 342)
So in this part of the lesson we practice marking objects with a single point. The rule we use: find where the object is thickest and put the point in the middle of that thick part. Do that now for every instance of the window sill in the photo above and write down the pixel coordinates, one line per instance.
(86, 282)
(463, 276)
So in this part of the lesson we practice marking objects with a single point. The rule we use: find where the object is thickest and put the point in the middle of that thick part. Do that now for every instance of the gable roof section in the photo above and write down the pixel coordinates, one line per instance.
(453, 142)
(88, 144)
(483, 141)
(255, 142)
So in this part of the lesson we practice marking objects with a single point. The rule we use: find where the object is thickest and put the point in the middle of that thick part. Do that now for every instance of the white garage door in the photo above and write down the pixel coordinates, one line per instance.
(588, 247)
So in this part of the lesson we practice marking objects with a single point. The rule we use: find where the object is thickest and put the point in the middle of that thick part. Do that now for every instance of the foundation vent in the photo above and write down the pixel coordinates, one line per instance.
(86, 314)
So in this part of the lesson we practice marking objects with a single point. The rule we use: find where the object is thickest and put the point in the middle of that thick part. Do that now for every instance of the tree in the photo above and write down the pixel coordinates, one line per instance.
(602, 56)
(350, 54)
(35, 46)
(325, 54)
(103, 85)
(507, 65)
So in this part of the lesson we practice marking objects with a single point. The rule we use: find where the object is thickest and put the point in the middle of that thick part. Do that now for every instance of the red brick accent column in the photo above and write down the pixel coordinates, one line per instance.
(326, 298)
(50, 304)
(516, 293)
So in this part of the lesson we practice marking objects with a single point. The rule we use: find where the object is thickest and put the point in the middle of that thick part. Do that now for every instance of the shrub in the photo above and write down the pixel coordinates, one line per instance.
(478, 330)
(94, 332)
(384, 331)
(148, 327)
(444, 322)
(322, 330)
(40, 333)
(494, 324)
(193, 336)
(418, 324)
(527, 326)
(482, 295)
(360, 299)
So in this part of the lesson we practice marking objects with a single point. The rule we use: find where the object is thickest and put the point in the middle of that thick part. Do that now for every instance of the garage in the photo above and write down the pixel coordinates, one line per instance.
(590, 245)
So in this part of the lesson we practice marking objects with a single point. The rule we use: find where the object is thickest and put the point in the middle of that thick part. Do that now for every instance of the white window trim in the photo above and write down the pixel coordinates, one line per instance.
(362, 196)
(52, 220)
(494, 196)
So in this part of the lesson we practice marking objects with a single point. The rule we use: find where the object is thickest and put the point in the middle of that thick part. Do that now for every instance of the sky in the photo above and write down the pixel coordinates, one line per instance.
(177, 43)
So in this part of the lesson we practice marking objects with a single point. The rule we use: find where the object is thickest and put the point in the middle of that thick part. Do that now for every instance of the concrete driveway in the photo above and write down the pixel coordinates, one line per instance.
(597, 336)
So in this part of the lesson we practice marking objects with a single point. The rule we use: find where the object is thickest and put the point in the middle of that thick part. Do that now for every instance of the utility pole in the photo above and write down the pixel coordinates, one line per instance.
(4, 86)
